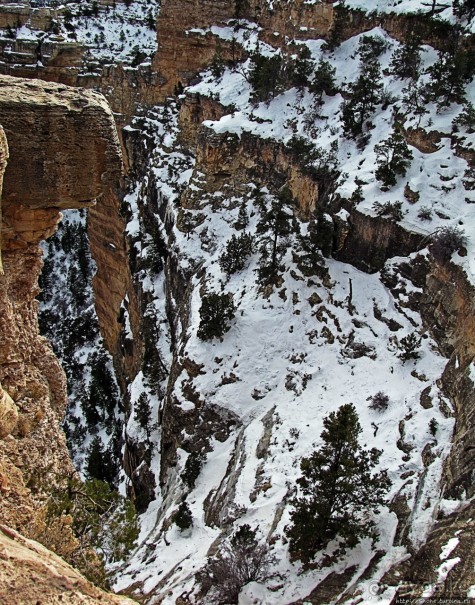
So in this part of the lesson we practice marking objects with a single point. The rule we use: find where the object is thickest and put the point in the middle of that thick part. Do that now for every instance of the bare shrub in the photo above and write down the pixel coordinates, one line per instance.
(239, 561)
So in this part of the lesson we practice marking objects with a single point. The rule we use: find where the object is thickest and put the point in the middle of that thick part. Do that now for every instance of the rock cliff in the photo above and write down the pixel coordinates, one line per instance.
(63, 152)
(30, 573)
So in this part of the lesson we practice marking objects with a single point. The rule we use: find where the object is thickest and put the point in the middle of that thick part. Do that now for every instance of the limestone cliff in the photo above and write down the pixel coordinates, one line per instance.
(63, 152)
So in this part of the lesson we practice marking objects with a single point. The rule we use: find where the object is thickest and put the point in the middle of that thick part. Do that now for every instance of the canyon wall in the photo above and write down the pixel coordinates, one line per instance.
(63, 153)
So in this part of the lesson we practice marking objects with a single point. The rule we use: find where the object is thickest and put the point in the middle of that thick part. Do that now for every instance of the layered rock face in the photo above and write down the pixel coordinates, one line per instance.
(64, 152)
(185, 50)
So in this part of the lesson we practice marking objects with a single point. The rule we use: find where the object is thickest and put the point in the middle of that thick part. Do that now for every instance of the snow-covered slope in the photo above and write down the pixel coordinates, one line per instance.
(287, 361)
(242, 410)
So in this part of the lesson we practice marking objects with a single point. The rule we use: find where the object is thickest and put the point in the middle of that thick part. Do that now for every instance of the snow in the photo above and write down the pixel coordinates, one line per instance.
(448, 548)
(292, 358)
(292, 372)
(437, 177)
(116, 33)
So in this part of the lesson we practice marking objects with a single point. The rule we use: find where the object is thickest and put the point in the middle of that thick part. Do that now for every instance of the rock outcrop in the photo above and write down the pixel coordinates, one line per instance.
(52, 581)
(63, 153)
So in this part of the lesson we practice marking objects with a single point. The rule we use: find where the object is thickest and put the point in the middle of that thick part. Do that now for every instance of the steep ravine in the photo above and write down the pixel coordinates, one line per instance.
(362, 241)
(225, 413)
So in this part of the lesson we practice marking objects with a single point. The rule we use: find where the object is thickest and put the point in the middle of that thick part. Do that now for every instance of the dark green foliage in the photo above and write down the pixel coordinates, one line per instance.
(363, 96)
(310, 259)
(217, 63)
(466, 118)
(239, 561)
(409, 347)
(103, 392)
(450, 73)
(238, 249)
(153, 368)
(143, 414)
(301, 149)
(325, 232)
(464, 9)
(393, 158)
(390, 210)
(370, 48)
(414, 100)
(267, 76)
(192, 468)
(151, 21)
(274, 225)
(302, 68)
(469, 178)
(320, 164)
(446, 241)
(406, 60)
(183, 517)
(433, 426)
(242, 219)
(216, 311)
(100, 513)
(425, 213)
(100, 463)
(138, 56)
(339, 490)
(341, 20)
(323, 81)
(379, 401)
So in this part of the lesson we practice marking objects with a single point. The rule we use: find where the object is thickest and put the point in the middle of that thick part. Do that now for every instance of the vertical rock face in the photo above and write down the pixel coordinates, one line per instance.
(113, 283)
(182, 49)
(64, 153)
(448, 308)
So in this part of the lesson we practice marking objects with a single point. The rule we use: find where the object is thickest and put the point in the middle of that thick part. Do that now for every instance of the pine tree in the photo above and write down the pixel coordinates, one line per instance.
(96, 460)
(216, 311)
(302, 68)
(464, 9)
(393, 158)
(183, 517)
(450, 73)
(465, 119)
(102, 463)
(239, 561)
(274, 226)
(143, 414)
(103, 393)
(310, 259)
(363, 96)
(323, 81)
(370, 48)
(267, 76)
(415, 100)
(340, 22)
(242, 219)
(339, 490)
(406, 60)
(238, 250)
(153, 367)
